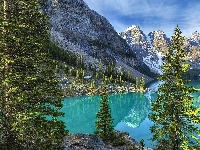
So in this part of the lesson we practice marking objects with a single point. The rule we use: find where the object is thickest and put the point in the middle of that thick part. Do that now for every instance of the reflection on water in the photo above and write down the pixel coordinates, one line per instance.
(129, 111)
(80, 111)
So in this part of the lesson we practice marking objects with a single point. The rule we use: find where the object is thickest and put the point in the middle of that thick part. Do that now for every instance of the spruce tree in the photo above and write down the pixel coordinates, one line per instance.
(28, 84)
(100, 67)
(104, 126)
(173, 113)
(136, 83)
(142, 84)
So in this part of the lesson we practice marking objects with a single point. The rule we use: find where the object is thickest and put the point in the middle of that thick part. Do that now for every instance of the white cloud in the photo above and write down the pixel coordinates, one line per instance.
(166, 14)
(191, 19)
(134, 7)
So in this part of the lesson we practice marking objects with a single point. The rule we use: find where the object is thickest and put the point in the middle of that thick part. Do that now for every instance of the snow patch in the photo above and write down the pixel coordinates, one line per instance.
(131, 27)
(87, 77)
(154, 65)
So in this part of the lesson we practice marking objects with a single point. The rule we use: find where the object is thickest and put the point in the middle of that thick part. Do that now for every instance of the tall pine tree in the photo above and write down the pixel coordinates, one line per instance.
(104, 126)
(28, 85)
(173, 113)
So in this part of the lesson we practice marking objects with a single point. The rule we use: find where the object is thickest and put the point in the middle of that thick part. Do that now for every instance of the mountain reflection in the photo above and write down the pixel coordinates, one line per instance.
(131, 108)
(136, 108)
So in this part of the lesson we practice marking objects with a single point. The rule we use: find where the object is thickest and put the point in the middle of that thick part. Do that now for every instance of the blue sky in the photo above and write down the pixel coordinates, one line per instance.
(150, 15)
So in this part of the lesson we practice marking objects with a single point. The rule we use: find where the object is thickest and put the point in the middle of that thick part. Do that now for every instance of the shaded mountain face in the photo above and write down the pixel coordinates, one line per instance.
(83, 31)
(137, 41)
(152, 48)
(140, 45)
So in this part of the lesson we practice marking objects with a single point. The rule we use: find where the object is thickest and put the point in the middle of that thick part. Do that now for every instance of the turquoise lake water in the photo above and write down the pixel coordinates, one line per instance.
(129, 111)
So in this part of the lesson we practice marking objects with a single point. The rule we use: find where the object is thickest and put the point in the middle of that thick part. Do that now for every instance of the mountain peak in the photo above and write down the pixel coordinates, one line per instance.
(133, 34)
(133, 27)
(194, 35)
(159, 40)
(137, 40)
(194, 39)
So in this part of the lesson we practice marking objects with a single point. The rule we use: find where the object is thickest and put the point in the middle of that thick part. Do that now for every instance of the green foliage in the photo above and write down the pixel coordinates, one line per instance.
(117, 140)
(136, 83)
(110, 70)
(28, 85)
(92, 84)
(100, 67)
(173, 112)
(104, 127)
(142, 84)
(59, 54)
(110, 73)
(142, 144)
(80, 63)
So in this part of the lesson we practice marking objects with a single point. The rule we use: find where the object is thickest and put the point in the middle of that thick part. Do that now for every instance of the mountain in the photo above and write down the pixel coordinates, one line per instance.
(193, 46)
(194, 39)
(143, 49)
(159, 41)
(153, 47)
(83, 31)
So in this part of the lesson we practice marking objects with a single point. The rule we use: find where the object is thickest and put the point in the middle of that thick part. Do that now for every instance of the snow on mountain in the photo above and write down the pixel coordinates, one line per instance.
(141, 46)
(154, 65)
(159, 41)
(194, 39)
(153, 47)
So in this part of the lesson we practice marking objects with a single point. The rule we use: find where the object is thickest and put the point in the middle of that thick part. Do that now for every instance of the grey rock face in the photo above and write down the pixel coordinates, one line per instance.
(151, 50)
(80, 141)
(84, 27)
(79, 29)
(193, 46)
(139, 43)
(159, 41)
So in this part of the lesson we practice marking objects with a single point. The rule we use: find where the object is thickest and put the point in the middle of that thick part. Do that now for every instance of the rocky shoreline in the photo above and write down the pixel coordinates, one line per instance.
(80, 141)
(82, 87)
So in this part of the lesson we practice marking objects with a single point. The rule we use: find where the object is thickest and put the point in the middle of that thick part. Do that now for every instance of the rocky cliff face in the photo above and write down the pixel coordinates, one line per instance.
(159, 41)
(152, 50)
(79, 29)
(139, 44)
(193, 45)
(137, 41)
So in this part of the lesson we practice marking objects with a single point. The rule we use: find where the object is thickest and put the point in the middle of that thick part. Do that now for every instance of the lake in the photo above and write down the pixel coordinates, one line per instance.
(129, 111)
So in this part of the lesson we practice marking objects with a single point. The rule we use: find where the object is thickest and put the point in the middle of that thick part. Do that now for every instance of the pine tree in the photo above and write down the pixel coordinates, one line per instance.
(136, 83)
(100, 67)
(28, 85)
(142, 84)
(173, 113)
(104, 127)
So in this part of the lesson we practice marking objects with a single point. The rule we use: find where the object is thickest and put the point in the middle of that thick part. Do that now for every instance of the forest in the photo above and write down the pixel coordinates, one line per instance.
(32, 68)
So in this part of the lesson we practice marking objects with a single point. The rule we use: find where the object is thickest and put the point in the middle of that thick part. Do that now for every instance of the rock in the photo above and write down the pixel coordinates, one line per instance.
(83, 31)
(81, 141)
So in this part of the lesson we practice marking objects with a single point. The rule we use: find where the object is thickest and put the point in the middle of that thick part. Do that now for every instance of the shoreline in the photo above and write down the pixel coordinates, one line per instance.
(90, 88)
(85, 141)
